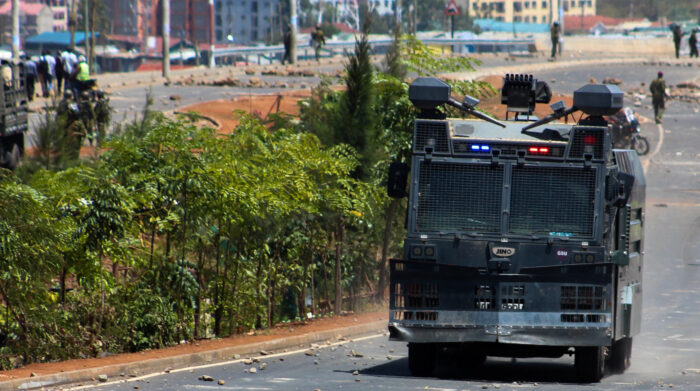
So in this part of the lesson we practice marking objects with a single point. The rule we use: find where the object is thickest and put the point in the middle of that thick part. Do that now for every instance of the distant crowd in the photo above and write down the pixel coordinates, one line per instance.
(56, 73)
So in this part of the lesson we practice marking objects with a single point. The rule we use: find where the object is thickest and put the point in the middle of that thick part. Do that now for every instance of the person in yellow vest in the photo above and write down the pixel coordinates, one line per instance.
(80, 76)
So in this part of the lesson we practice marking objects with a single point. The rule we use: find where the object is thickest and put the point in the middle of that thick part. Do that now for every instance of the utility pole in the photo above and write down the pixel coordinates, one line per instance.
(293, 28)
(72, 21)
(15, 30)
(166, 39)
(212, 62)
(86, 31)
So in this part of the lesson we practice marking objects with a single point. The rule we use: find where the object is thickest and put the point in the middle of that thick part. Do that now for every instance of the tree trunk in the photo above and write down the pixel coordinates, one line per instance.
(92, 37)
(231, 325)
(383, 267)
(62, 297)
(337, 308)
(198, 299)
(325, 277)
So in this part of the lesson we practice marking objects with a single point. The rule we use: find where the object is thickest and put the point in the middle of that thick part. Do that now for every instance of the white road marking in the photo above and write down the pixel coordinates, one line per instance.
(132, 379)
(198, 387)
(645, 165)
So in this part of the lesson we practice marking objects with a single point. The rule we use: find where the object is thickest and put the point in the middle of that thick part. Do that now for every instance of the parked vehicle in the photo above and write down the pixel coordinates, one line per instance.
(13, 116)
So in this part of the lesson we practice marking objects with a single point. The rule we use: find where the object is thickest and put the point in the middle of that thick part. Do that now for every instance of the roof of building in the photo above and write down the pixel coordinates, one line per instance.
(519, 27)
(56, 38)
(572, 22)
(25, 8)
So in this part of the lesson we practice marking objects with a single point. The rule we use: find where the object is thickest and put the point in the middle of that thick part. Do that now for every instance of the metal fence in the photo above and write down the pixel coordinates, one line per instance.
(261, 54)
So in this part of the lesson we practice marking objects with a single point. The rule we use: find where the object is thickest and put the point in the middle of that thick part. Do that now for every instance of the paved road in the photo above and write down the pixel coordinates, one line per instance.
(666, 354)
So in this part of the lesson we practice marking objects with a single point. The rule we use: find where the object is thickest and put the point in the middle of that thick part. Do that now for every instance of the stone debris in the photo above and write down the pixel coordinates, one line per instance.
(33, 374)
(168, 369)
(592, 80)
(248, 361)
(255, 82)
(265, 353)
(353, 353)
(263, 366)
(255, 359)
(309, 353)
(355, 373)
(253, 370)
(236, 356)
(205, 378)
(315, 362)
(249, 71)
(612, 80)
(389, 357)
(221, 382)
(103, 378)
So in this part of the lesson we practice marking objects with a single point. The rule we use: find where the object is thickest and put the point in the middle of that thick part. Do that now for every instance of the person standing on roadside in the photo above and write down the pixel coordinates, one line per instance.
(317, 41)
(554, 32)
(47, 71)
(31, 74)
(287, 41)
(677, 35)
(59, 73)
(693, 44)
(69, 60)
(658, 96)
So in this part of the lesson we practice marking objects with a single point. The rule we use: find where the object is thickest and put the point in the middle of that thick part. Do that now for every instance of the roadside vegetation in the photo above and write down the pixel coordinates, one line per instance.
(175, 232)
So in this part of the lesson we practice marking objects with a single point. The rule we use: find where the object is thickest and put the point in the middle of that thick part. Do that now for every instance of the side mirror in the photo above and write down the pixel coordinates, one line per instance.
(398, 178)
(619, 188)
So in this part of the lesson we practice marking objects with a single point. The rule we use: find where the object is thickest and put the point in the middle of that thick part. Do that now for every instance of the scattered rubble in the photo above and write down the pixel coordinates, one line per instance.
(221, 382)
(102, 378)
(205, 378)
(612, 80)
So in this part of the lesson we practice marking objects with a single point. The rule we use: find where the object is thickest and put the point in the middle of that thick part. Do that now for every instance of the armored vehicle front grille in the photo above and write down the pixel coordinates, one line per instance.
(435, 130)
(459, 197)
(416, 295)
(558, 201)
(415, 315)
(582, 297)
(484, 297)
(587, 140)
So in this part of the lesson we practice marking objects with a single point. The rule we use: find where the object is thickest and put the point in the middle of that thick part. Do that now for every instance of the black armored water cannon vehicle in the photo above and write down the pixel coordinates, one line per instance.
(524, 237)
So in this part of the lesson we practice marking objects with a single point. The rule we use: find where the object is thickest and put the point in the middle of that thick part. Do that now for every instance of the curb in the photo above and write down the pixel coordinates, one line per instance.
(162, 364)
(539, 66)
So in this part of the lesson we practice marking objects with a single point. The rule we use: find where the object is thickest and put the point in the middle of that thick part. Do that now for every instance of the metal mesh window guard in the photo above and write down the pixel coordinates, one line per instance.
(555, 201)
(459, 197)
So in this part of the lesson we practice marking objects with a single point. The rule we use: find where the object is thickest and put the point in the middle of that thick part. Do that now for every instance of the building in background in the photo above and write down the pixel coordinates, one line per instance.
(34, 18)
(191, 20)
(528, 11)
(133, 22)
(247, 22)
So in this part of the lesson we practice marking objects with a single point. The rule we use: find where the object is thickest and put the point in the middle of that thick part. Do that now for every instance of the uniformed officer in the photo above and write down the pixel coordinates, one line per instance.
(554, 35)
(658, 96)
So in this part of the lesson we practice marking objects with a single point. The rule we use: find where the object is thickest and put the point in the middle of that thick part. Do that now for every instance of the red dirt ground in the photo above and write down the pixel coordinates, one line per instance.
(222, 111)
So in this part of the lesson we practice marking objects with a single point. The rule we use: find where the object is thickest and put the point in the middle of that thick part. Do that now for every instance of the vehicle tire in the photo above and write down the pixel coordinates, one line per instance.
(590, 363)
(421, 359)
(641, 145)
(620, 355)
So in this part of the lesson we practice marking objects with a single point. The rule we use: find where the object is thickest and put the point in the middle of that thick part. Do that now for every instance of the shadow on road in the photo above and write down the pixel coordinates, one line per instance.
(494, 370)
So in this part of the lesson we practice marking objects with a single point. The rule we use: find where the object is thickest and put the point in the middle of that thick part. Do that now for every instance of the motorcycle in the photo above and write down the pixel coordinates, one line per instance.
(625, 132)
